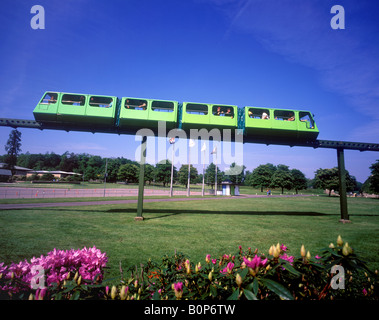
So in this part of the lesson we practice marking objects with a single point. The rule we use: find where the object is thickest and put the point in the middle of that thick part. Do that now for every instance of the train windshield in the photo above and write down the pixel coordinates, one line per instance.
(102, 102)
(74, 99)
(162, 106)
(201, 109)
(135, 104)
(49, 98)
(307, 118)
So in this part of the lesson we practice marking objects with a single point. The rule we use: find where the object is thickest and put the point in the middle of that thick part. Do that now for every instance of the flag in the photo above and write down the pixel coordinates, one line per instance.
(191, 143)
(204, 147)
(172, 140)
(214, 150)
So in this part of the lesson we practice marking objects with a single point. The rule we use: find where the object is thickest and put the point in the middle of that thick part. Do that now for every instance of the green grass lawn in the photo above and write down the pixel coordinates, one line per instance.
(194, 227)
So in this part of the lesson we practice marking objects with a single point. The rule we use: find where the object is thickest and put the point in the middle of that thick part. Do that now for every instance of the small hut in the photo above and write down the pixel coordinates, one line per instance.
(230, 188)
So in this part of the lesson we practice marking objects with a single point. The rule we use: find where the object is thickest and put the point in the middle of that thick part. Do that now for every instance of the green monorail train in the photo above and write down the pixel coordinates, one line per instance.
(130, 114)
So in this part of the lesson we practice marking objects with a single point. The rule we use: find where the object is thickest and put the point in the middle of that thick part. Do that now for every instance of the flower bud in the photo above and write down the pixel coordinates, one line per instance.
(238, 280)
(210, 276)
(302, 251)
(270, 251)
(123, 293)
(252, 272)
(346, 249)
(76, 276)
(276, 252)
(339, 241)
(79, 280)
(331, 246)
(308, 255)
(113, 292)
(31, 297)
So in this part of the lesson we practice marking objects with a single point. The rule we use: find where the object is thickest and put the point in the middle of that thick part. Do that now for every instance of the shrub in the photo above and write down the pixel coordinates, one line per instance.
(245, 275)
(48, 275)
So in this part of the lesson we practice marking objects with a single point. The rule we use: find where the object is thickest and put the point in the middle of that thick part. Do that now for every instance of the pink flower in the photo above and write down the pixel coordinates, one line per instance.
(364, 291)
(208, 258)
(178, 286)
(214, 261)
(229, 268)
(287, 258)
(255, 263)
(283, 247)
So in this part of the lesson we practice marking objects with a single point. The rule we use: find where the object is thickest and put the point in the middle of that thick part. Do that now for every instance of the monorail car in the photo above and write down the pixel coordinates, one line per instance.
(128, 114)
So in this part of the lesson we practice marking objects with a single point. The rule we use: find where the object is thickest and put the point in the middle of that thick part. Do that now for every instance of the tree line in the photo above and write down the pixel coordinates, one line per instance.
(121, 169)
(266, 176)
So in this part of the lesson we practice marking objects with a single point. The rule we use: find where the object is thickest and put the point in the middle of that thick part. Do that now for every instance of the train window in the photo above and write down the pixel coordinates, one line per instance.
(259, 113)
(102, 102)
(284, 115)
(74, 99)
(307, 118)
(135, 104)
(223, 111)
(49, 98)
(162, 106)
(201, 109)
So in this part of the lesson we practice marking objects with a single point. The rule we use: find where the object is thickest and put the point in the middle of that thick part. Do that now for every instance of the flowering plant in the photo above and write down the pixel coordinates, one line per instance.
(46, 272)
(245, 275)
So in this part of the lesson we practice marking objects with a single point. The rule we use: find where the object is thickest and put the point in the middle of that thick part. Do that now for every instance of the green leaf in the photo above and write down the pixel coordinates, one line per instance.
(277, 288)
(234, 295)
(156, 295)
(213, 291)
(249, 295)
(255, 286)
(75, 296)
(243, 273)
(289, 268)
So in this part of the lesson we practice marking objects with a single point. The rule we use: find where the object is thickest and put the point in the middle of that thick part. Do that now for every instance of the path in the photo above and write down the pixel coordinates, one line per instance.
(108, 202)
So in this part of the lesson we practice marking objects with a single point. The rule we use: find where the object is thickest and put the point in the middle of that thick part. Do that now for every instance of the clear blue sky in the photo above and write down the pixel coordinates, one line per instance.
(280, 54)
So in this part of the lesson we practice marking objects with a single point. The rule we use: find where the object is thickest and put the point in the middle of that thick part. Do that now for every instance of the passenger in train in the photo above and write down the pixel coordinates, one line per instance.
(265, 115)
(291, 118)
(219, 112)
(229, 113)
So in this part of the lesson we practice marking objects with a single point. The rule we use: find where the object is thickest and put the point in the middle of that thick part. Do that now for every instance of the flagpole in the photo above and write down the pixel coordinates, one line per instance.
(216, 174)
(215, 161)
(189, 172)
(172, 169)
(202, 190)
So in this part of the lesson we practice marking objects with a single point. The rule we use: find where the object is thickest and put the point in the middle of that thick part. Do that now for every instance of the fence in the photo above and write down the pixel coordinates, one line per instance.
(38, 193)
